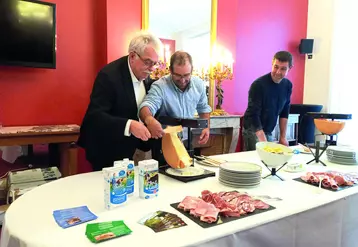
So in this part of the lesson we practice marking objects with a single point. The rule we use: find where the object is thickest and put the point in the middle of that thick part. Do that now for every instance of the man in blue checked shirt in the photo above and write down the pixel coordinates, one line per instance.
(178, 95)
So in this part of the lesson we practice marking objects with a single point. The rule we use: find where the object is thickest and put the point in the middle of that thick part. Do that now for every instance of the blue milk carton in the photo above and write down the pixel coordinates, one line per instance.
(148, 178)
(115, 186)
(130, 176)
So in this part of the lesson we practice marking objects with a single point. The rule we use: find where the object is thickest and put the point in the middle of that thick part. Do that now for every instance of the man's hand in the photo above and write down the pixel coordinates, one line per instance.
(204, 137)
(261, 136)
(283, 141)
(139, 130)
(154, 127)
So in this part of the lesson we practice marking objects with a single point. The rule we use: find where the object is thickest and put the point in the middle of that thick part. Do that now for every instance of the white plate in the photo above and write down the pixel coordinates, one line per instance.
(240, 174)
(250, 183)
(185, 172)
(342, 149)
(241, 167)
(329, 155)
(239, 177)
(342, 161)
(240, 181)
(235, 185)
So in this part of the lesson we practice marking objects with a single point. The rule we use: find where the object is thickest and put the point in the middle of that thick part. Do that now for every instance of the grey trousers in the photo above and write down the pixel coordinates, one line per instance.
(250, 139)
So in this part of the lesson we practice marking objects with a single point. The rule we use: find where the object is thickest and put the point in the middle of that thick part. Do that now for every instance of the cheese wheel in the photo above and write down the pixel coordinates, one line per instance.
(174, 152)
(173, 129)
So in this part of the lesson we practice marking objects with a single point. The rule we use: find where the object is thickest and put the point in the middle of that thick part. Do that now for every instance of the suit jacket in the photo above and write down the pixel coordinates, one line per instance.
(112, 103)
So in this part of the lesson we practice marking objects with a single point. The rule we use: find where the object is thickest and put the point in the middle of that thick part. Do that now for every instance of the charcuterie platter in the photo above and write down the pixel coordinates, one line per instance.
(212, 209)
(330, 180)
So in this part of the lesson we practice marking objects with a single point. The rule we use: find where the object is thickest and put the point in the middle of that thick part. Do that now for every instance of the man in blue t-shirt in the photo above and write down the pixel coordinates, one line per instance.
(269, 98)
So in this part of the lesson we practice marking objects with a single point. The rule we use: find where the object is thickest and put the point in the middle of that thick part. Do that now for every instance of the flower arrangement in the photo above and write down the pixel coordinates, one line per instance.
(219, 74)
(161, 70)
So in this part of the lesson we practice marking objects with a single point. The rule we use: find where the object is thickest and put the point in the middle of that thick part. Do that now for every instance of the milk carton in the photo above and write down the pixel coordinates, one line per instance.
(130, 176)
(115, 185)
(117, 163)
(148, 178)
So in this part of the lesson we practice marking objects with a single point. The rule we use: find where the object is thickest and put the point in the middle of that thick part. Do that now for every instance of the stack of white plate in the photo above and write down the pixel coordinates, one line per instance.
(240, 174)
(344, 155)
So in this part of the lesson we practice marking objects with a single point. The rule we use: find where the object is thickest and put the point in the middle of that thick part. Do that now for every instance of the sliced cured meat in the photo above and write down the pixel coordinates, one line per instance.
(331, 179)
(207, 196)
(248, 207)
(228, 196)
(340, 180)
(350, 179)
(229, 213)
(189, 203)
(307, 177)
(223, 193)
(326, 184)
(333, 183)
(219, 202)
(202, 207)
(229, 204)
(244, 198)
(260, 204)
(211, 214)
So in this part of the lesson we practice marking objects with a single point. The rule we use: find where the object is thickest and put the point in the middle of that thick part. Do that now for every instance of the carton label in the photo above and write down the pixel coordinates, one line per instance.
(130, 178)
(118, 187)
(150, 182)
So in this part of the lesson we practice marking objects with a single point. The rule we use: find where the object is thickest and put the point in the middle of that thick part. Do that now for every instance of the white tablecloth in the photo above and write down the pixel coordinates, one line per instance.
(304, 217)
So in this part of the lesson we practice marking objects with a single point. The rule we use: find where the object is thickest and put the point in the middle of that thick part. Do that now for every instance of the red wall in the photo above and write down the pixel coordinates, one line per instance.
(123, 20)
(91, 33)
(262, 28)
(44, 96)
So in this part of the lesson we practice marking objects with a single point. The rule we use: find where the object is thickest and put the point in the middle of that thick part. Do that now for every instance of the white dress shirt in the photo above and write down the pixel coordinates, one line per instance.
(139, 91)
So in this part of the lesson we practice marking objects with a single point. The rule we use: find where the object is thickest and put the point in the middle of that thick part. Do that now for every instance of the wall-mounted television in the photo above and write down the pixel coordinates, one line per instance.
(28, 33)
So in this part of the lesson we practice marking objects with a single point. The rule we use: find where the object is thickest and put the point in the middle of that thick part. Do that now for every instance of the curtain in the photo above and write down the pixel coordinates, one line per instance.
(343, 96)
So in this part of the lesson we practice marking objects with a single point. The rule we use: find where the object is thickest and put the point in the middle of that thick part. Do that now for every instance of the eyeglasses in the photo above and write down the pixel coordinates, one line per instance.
(149, 63)
(185, 77)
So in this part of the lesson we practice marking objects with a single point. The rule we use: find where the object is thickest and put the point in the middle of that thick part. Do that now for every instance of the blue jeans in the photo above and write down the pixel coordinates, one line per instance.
(250, 139)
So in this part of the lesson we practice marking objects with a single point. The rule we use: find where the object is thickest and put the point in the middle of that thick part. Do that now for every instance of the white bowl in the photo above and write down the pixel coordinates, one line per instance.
(273, 159)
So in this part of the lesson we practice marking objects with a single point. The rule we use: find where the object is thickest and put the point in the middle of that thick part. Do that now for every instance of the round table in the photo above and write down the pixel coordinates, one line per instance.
(29, 221)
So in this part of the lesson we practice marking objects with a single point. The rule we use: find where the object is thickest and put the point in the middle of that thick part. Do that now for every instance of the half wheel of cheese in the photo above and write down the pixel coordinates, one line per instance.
(174, 152)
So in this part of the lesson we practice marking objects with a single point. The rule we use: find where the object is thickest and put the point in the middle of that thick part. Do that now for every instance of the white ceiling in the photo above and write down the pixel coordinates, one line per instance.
(170, 16)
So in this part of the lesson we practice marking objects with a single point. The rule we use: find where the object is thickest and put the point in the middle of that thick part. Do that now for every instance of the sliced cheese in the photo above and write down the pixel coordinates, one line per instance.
(173, 129)
(174, 151)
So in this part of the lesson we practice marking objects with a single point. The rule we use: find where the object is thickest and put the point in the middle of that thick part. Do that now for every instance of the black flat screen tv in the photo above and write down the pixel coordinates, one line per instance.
(28, 33)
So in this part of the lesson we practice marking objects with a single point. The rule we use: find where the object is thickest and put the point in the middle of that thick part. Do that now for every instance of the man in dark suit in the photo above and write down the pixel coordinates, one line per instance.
(111, 129)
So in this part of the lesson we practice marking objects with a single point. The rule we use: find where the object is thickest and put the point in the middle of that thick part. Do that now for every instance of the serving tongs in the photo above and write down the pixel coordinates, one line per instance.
(208, 161)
